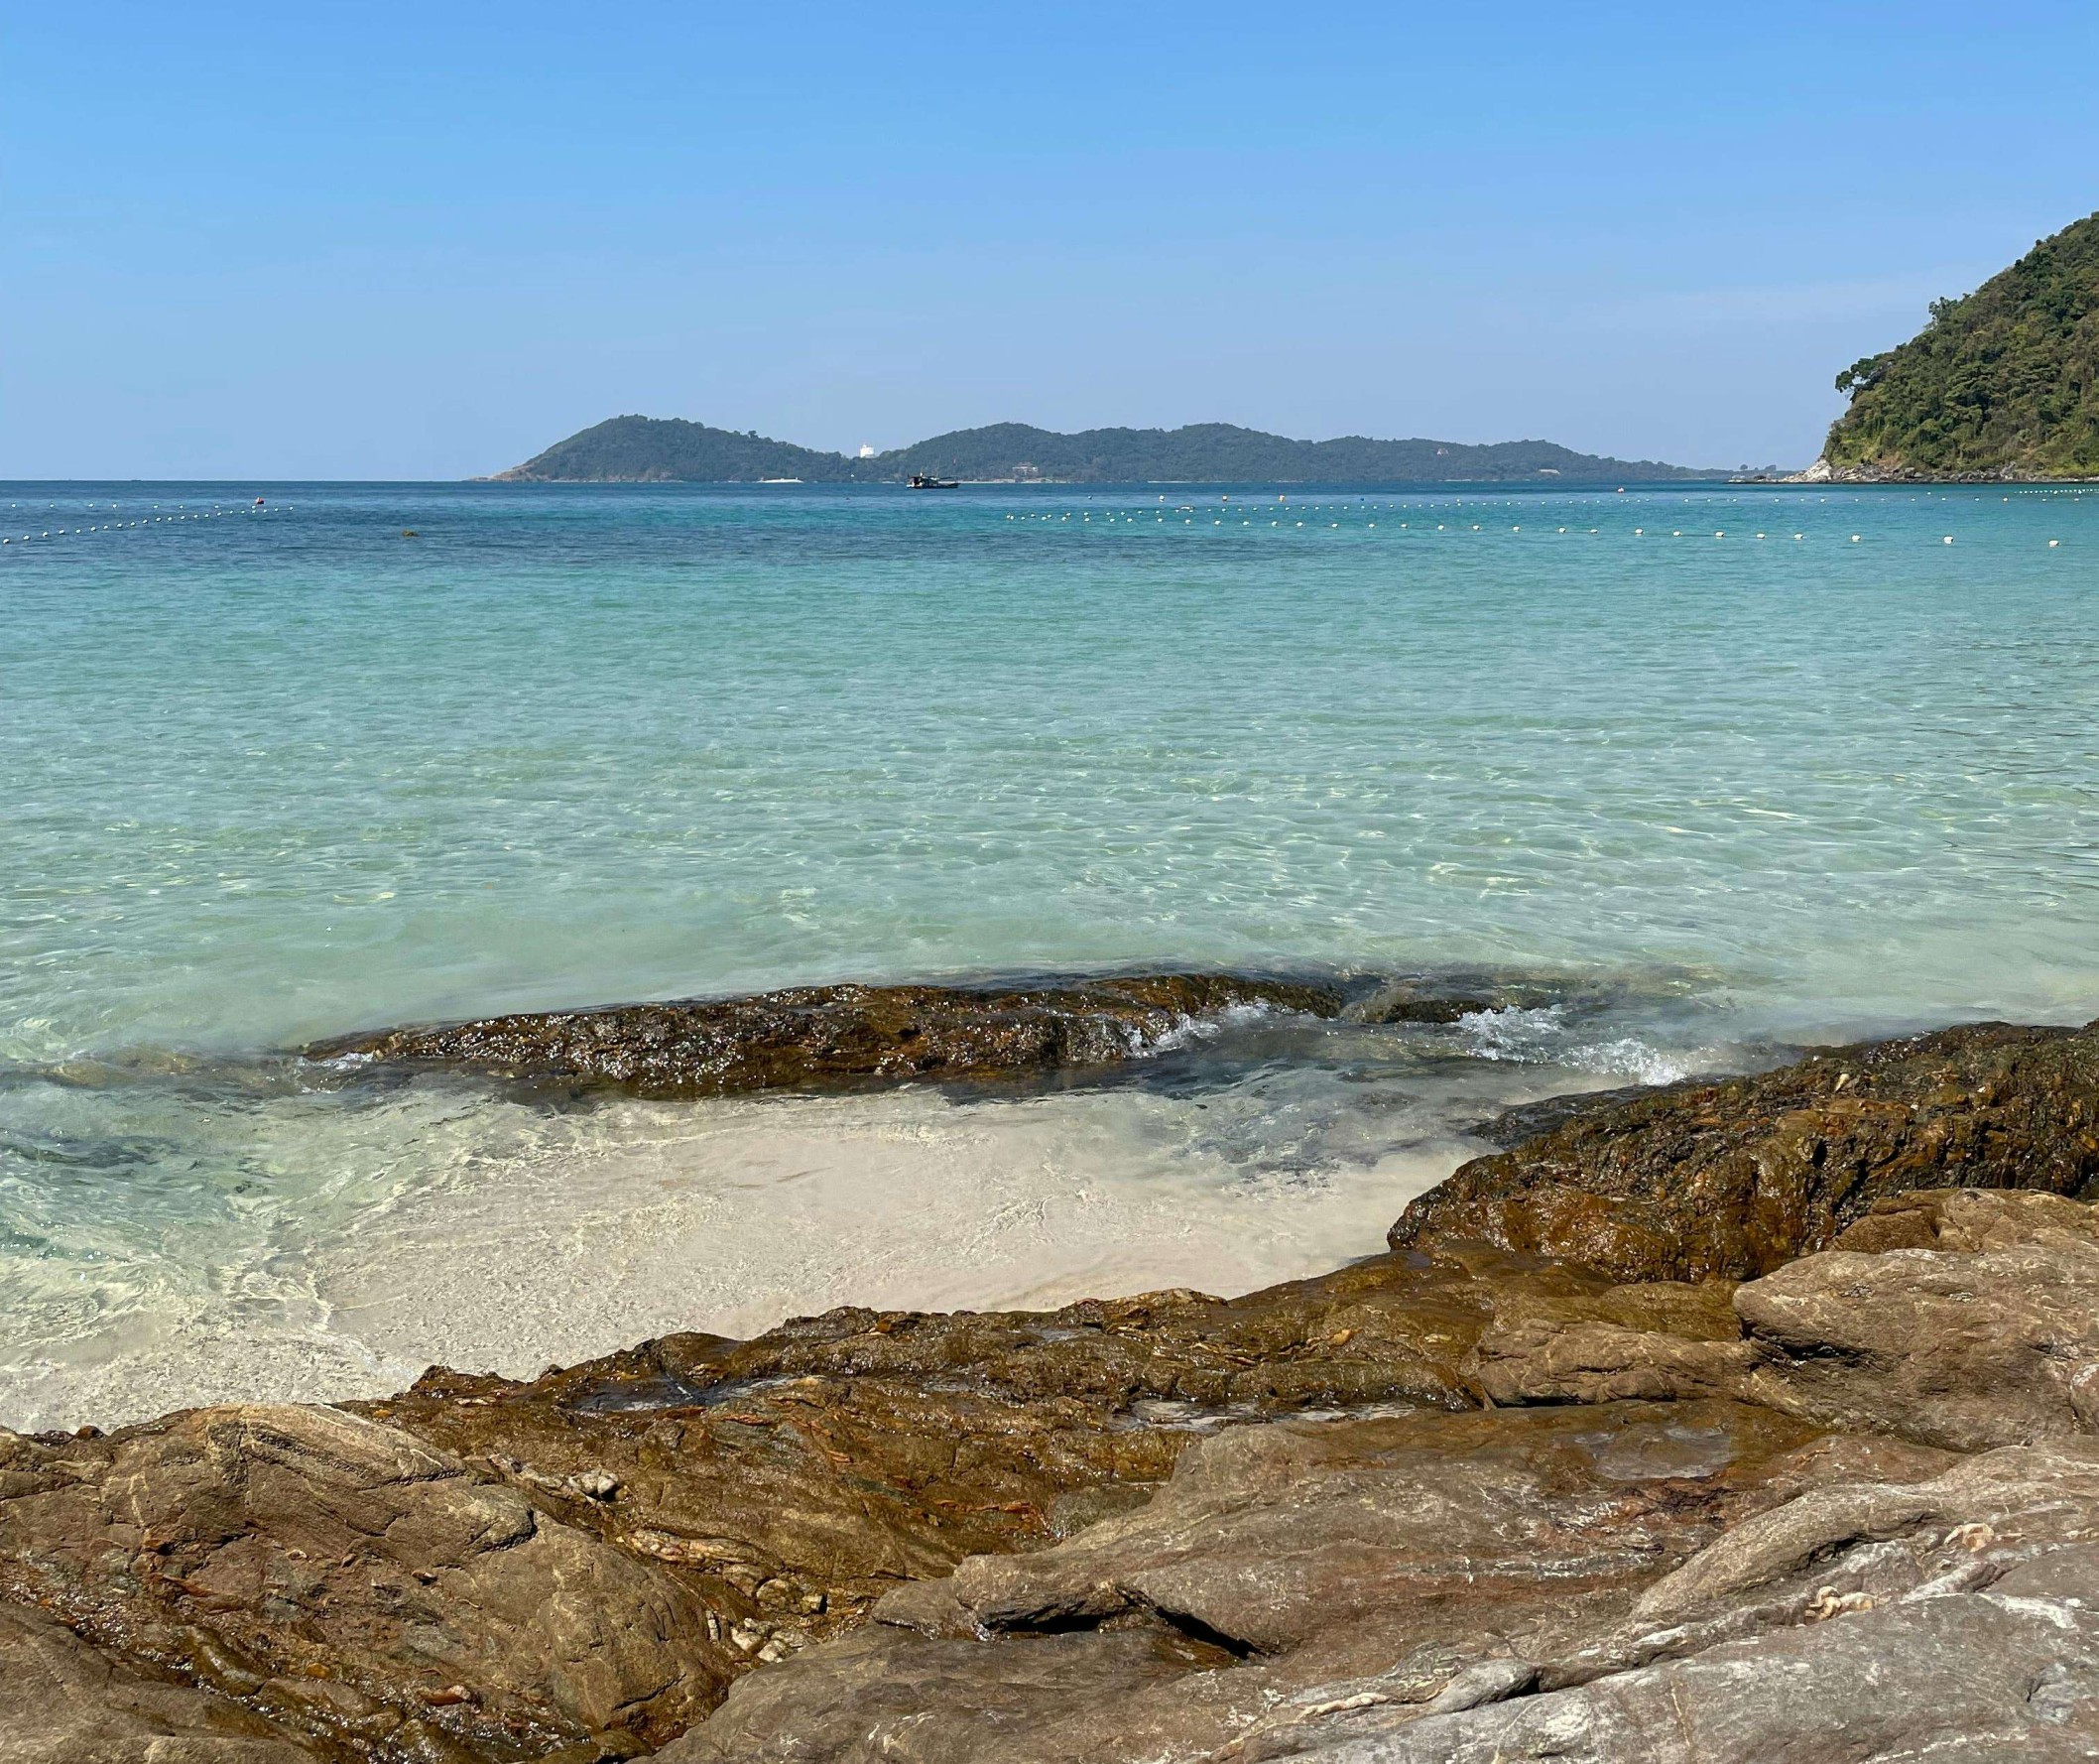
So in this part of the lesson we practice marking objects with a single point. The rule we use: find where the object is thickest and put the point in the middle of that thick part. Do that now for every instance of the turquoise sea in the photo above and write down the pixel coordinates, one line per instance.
(1738, 767)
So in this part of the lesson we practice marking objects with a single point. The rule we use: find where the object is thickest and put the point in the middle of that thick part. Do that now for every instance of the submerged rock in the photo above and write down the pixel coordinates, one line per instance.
(829, 1036)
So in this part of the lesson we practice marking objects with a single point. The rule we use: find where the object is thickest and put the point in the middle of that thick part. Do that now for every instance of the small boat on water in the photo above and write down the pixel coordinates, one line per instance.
(924, 482)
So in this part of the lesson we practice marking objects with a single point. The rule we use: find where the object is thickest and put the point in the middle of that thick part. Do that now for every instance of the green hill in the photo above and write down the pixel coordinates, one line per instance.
(1224, 454)
(646, 450)
(2003, 383)
(665, 449)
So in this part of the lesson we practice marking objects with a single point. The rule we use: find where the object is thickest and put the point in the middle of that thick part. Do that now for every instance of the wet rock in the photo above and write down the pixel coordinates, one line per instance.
(1267, 1535)
(1276, 1555)
(1736, 1179)
(837, 1457)
(337, 1578)
(1968, 1220)
(1655, 1341)
(62, 1702)
(1989, 1338)
(590, 1558)
(1542, 1477)
(817, 1037)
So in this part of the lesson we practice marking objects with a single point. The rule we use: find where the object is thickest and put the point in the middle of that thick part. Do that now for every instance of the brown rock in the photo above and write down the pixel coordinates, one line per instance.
(706, 1507)
(1989, 1338)
(1657, 1341)
(830, 1036)
(336, 1578)
(1987, 1512)
(1274, 1557)
(1430, 1498)
(1964, 1675)
(1951, 1616)
(792, 1479)
(1967, 1219)
(62, 1702)
(1267, 1535)
(1736, 1179)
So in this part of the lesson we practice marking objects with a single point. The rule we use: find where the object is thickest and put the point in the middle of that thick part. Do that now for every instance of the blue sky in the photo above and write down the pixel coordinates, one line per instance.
(424, 241)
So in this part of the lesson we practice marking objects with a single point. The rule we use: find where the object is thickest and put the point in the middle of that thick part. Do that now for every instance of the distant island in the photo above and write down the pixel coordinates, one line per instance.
(2000, 384)
(670, 451)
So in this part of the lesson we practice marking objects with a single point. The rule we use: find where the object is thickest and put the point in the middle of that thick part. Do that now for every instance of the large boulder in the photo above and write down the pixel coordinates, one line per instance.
(336, 1578)
(1738, 1178)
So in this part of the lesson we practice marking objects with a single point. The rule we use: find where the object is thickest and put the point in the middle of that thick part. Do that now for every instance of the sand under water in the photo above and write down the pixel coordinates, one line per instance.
(268, 778)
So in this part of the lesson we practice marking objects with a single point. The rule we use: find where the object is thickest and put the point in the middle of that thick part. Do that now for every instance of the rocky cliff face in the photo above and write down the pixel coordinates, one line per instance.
(1741, 1420)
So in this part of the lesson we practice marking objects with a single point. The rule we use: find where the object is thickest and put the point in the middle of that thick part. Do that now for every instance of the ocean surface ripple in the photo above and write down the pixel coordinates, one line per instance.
(1782, 764)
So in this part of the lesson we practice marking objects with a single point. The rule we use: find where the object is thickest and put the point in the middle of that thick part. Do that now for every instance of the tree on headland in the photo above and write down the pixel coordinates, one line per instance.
(2004, 381)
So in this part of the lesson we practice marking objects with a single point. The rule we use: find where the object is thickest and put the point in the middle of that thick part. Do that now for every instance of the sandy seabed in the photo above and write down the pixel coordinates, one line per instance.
(634, 1219)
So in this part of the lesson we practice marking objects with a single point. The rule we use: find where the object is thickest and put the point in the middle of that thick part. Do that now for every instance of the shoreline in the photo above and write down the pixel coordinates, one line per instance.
(1613, 1356)
(1823, 473)
(613, 1172)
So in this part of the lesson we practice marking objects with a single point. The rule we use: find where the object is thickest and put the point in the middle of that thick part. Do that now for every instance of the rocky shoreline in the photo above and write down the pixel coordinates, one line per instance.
(1728, 1421)
(1823, 472)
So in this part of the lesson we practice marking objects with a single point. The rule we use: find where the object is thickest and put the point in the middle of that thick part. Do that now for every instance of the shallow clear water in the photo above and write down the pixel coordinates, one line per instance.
(270, 776)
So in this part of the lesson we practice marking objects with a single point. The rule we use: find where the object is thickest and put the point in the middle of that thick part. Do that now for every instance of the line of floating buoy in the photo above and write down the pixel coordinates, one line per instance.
(1476, 527)
(257, 507)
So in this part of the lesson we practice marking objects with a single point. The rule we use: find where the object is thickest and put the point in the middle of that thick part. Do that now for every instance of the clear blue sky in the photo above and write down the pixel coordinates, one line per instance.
(378, 240)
